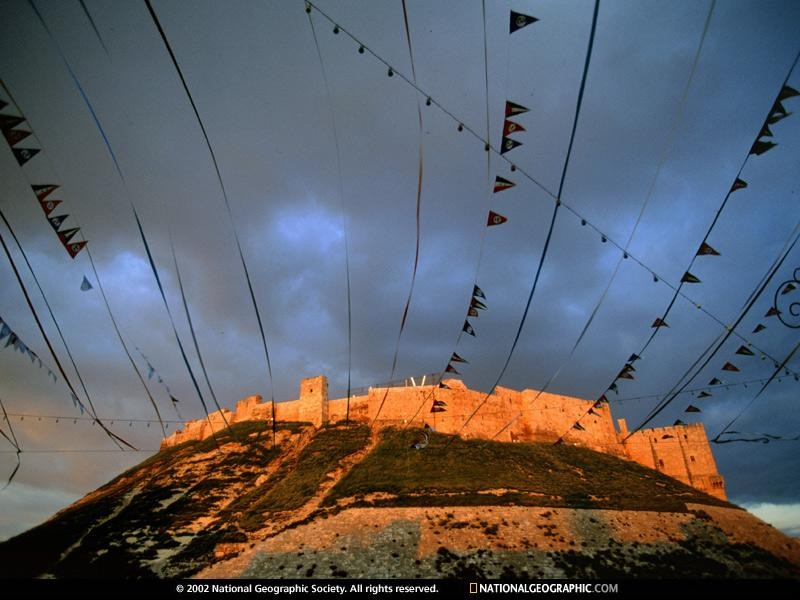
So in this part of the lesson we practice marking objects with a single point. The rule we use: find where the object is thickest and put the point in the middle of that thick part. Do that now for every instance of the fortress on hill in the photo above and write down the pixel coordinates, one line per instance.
(681, 452)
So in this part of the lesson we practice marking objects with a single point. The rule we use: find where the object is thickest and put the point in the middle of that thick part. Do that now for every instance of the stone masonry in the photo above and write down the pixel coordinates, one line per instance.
(682, 452)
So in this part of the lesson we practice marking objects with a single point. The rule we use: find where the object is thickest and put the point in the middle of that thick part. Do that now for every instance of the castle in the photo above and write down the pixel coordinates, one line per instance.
(681, 452)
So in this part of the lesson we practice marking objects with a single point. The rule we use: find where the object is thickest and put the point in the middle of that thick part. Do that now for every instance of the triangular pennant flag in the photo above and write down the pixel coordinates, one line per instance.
(85, 285)
(628, 367)
(436, 409)
(745, 351)
(451, 369)
(519, 20)
(739, 184)
(706, 250)
(613, 387)
(443, 386)
(75, 247)
(23, 155)
(43, 191)
(765, 131)
(775, 117)
(704, 394)
(758, 328)
(759, 147)
(591, 412)
(514, 109)
(476, 291)
(14, 136)
(472, 312)
(4, 331)
(689, 278)
(467, 328)
(730, 367)
(439, 403)
(456, 358)
(715, 381)
(510, 127)
(67, 234)
(601, 400)
(625, 374)
(579, 427)
(501, 183)
(508, 144)
(659, 323)
(772, 312)
(495, 219)
(633, 358)
(787, 92)
(790, 287)
(692, 408)
(475, 303)
(9, 121)
(678, 422)
(57, 221)
(12, 339)
(778, 108)
(174, 400)
(49, 206)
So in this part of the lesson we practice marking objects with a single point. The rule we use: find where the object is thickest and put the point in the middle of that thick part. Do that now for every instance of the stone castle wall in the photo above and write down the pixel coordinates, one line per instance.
(682, 452)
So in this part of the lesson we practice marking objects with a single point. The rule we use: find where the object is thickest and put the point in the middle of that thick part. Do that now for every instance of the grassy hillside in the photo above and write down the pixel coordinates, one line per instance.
(531, 474)
(166, 516)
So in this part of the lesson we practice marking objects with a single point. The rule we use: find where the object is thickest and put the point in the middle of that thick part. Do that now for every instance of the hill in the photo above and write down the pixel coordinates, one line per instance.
(351, 502)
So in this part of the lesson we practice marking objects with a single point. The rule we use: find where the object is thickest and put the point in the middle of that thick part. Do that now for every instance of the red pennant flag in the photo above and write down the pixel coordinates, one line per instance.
(75, 247)
(659, 323)
(730, 367)
(514, 109)
(738, 185)
(457, 358)
(790, 287)
(9, 122)
(772, 312)
(745, 351)
(439, 403)
(14, 136)
(67, 234)
(49, 206)
(451, 369)
(43, 191)
(579, 427)
(23, 155)
(475, 303)
(436, 409)
(473, 312)
(495, 219)
(678, 422)
(601, 400)
(693, 409)
(510, 127)
(758, 328)
(706, 250)
(689, 278)
(508, 144)
(625, 374)
(501, 183)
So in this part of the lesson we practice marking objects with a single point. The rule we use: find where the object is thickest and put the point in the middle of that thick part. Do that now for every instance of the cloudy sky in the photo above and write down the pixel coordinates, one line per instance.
(253, 70)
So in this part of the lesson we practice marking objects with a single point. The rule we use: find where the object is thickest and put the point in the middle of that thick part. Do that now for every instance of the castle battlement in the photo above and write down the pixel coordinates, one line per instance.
(681, 451)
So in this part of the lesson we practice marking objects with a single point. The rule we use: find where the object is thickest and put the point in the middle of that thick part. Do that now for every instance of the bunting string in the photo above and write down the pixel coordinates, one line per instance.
(420, 172)
(345, 223)
(213, 156)
(121, 176)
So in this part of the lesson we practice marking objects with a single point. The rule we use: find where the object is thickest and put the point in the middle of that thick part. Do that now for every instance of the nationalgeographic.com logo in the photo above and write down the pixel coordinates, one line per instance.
(543, 588)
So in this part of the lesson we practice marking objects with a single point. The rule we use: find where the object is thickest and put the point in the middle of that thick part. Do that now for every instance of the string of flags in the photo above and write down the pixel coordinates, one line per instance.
(66, 419)
(13, 341)
(151, 372)
(9, 124)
